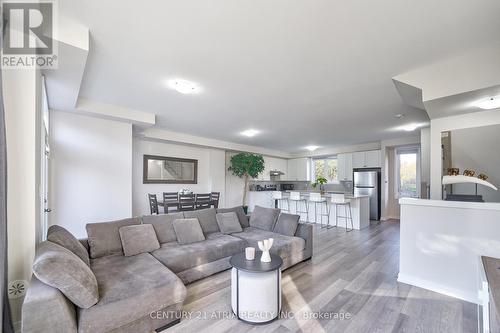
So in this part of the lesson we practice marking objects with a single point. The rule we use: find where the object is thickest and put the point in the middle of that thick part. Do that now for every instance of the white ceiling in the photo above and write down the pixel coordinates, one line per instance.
(303, 72)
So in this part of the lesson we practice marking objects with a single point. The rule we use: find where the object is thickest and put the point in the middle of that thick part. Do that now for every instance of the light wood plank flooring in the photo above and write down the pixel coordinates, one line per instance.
(351, 273)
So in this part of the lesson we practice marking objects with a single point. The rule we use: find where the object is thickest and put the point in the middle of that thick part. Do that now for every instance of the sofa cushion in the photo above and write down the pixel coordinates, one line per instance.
(138, 239)
(188, 231)
(62, 269)
(163, 225)
(60, 236)
(264, 218)
(239, 211)
(228, 223)
(130, 288)
(284, 246)
(104, 238)
(179, 257)
(287, 224)
(206, 217)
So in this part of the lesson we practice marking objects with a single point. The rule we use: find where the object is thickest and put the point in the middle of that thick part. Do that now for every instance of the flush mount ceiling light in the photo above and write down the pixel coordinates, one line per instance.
(489, 103)
(409, 127)
(183, 86)
(399, 116)
(312, 148)
(250, 132)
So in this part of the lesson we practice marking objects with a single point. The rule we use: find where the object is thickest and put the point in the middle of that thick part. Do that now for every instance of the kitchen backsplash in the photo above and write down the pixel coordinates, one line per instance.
(345, 186)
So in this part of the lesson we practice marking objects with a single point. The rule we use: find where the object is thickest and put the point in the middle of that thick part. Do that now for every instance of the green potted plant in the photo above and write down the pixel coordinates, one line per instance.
(246, 166)
(320, 181)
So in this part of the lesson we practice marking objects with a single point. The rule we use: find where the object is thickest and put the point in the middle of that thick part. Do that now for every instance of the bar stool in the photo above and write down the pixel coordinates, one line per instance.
(295, 196)
(341, 200)
(318, 199)
(278, 196)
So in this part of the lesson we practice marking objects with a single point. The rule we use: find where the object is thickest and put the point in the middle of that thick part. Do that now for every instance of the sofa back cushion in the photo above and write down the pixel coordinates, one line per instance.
(104, 238)
(60, 268)
(208, 221)
(60, 236)
(240, 212)
(264, 218)
(228, 223)
(188, 231)
(163, 225)
(287, 224)
(137, 239)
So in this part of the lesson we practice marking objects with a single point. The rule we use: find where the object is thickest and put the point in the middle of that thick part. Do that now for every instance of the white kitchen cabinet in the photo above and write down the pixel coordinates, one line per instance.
(358, 159)
(344, 166)
(366, 159)
(372, 159)
(271, 164)
(299, 169)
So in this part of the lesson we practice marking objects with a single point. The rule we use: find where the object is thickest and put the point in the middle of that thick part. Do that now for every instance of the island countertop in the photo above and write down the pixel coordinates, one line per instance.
(327, 194)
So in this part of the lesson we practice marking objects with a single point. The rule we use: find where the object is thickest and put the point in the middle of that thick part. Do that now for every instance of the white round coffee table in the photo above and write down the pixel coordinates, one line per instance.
(256, 288)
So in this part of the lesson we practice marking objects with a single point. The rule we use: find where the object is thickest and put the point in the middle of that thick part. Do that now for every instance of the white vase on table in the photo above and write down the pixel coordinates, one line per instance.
(265, 245)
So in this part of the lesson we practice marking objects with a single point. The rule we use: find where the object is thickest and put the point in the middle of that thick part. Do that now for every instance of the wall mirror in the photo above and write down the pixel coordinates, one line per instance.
(169, 170)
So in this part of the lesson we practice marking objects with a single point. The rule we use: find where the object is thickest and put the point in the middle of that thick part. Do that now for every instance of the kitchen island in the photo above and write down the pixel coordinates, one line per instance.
(360, 207)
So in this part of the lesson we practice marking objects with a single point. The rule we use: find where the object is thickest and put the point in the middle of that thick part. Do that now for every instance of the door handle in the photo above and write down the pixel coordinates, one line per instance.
(47, 210)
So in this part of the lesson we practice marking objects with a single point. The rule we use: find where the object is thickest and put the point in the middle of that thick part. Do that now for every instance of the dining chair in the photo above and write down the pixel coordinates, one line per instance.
(153, 204)
(203, 200)
(186, 202)
(170, 202)
(214, 199)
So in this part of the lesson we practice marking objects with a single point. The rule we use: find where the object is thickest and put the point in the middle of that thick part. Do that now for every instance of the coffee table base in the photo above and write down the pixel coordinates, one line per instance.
(256, 297)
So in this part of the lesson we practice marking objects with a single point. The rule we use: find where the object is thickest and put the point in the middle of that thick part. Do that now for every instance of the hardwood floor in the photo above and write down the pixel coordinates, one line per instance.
(350, 274)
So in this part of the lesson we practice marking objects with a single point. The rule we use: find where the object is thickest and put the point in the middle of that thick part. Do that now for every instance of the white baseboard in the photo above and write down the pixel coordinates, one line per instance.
(436, 287)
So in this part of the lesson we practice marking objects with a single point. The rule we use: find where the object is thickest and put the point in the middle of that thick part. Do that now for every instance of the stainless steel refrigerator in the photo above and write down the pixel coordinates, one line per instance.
(367, 182)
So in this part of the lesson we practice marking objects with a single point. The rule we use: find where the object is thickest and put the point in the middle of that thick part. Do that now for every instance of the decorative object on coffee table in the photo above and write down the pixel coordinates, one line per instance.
(250, 253)
(265, 246)
(469, 173)
(256, 288)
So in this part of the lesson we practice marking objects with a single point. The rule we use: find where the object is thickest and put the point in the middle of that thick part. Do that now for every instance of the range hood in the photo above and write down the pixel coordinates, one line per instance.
(276, 173)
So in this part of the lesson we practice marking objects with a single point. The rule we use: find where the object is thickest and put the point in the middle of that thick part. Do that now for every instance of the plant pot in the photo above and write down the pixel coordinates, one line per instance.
(245, 209)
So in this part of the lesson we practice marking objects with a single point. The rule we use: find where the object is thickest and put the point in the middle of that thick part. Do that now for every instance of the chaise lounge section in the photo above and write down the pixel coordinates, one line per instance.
(145, 291)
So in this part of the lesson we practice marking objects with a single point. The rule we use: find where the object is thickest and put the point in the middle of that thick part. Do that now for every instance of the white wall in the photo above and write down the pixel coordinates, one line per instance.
(91, 170)
(234, 185)
(211, 175)
(477, 149)
(442, 241)
(22, 102)
(470, 120)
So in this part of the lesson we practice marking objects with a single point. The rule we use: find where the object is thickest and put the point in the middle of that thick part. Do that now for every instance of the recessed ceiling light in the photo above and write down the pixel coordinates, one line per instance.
(409, 127)
(489, 103)
(250, 132)
(312, 148)
(183, 86)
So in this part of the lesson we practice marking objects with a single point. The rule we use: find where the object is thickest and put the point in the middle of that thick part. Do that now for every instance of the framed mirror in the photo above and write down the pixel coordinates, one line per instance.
(169, 170)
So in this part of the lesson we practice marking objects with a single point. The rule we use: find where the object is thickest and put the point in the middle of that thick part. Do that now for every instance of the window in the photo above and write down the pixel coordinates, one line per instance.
(408, 172)
(325, 167)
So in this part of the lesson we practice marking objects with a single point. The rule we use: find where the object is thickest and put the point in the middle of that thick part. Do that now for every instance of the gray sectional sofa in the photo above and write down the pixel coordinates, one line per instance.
(145, 291)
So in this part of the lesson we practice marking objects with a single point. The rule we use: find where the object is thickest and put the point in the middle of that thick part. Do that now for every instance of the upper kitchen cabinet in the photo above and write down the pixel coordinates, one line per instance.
(272, 164)
(366, 159)
(344, 166)
(299, 169)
